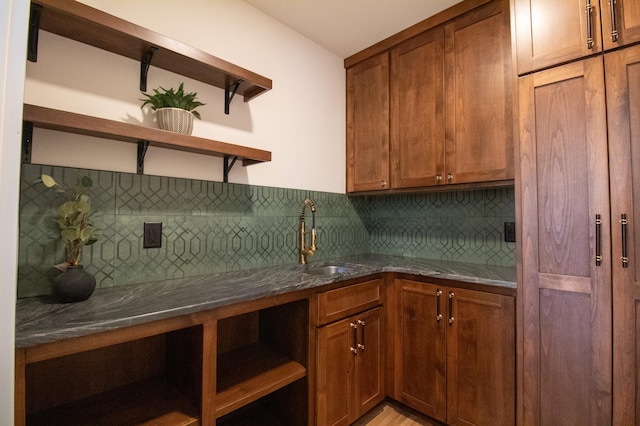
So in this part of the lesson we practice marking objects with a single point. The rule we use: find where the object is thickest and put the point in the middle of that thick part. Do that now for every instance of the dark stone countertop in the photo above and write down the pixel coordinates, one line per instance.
(43, 320)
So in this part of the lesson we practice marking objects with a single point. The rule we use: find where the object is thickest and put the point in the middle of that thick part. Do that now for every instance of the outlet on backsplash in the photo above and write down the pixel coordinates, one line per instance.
(509, 232)
(152, 235)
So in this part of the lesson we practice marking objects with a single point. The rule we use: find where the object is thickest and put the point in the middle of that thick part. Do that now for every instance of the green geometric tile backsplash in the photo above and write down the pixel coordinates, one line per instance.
(211, 227)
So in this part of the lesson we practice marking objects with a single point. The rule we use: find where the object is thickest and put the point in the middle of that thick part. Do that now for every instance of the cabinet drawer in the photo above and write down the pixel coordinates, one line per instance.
(341, 302)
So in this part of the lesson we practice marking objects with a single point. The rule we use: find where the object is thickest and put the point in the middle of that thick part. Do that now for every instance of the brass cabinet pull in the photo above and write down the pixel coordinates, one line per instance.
(614, 25)
(451, 294)
(449, 177)
(383, 183)
(598, 240)
(438, 179)
(623, 236)
(354, 348)
(438, 313)
(589, 9)
(361, 345)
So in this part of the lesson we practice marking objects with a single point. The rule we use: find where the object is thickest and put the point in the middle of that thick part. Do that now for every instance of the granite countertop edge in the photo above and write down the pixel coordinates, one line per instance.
(42, 320)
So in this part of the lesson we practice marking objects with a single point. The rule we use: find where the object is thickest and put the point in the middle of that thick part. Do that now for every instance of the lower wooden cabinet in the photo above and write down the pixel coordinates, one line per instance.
(350, 367)
(454, 353)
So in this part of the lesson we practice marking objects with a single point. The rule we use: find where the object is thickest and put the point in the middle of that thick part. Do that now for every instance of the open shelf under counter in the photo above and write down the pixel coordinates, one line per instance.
(152, 401)
(249, 373)
(53, 119)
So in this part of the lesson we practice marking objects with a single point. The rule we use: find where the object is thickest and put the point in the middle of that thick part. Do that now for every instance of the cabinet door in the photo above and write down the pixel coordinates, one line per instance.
(481, 378)
(566, 290)
(620, 22)
(623, 108)
(335, 374)
(420, 348)
(478, 94)
(369, 390)
(417, 111)
(551, 32)
(368, 124)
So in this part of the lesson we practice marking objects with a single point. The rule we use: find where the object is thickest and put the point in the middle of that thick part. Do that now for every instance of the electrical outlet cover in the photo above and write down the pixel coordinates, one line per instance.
(509, 232)
(152, 235)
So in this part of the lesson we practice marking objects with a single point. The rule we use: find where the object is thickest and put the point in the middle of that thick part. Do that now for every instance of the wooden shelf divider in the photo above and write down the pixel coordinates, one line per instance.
(152, 401)
(247, 374)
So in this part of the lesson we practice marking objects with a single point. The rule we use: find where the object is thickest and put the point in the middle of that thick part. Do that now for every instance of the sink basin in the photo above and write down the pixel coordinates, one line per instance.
(328, 270)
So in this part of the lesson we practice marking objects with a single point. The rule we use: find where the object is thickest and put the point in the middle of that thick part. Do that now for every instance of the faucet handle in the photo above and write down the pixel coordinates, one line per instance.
(314, 237)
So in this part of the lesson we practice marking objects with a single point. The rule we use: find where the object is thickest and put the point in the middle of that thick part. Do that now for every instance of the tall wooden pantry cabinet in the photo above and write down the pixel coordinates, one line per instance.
(579, 108)
(623, 112)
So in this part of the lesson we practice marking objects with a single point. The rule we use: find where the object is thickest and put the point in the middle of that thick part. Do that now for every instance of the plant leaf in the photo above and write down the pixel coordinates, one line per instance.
(48, 181)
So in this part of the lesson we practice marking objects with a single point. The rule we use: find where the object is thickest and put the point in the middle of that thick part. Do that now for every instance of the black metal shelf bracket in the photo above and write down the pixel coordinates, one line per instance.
(142, 151)
(229, 92)
(144, 67)
(228, 167)
(34, 29)
(27, 141)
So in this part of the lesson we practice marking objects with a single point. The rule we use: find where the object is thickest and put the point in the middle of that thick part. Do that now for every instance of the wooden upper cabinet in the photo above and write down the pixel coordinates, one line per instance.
(417, 111)
(443, 115)
(478, 96)
(566, 291)
(620, 22)
(368, 124)
(623, 109)
(552, 32)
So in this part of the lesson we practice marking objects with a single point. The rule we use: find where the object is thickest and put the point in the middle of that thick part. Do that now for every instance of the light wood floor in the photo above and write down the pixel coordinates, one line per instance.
(389, 414)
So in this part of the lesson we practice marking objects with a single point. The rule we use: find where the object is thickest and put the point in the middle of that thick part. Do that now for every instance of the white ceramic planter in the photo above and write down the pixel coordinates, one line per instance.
(175, 120)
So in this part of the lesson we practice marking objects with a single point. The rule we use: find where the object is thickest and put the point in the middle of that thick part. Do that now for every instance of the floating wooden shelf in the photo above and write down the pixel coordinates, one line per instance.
(148, 402)
(53, 119)
(76, 21)
(247, 374)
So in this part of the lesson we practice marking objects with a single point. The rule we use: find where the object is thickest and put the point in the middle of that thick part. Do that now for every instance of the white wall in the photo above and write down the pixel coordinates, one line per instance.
(13, 37)
(301, 120)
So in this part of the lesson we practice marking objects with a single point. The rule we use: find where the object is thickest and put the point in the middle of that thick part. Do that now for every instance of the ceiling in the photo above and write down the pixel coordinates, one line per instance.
(346, 27)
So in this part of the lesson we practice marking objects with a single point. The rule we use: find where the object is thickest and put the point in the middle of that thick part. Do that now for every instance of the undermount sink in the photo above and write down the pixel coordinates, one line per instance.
(328, 270)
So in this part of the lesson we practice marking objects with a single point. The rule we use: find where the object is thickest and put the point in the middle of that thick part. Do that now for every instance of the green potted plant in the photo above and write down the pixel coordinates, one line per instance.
(76, 231)
(175, 108)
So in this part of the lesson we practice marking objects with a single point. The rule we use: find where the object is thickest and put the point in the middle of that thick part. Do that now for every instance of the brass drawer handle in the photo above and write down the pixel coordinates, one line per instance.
(438, 313)
(589, 10)
(361, 345)
(623, 236)
(598, 240)
(614, 25)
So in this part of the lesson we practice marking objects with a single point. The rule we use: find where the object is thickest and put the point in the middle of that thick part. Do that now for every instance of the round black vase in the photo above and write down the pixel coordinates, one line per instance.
(74, 285)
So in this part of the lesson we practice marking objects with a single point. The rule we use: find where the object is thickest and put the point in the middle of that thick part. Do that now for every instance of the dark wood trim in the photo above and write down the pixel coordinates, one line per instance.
(20, 406)
(507, 291)
(439, 188)
(113, 337)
